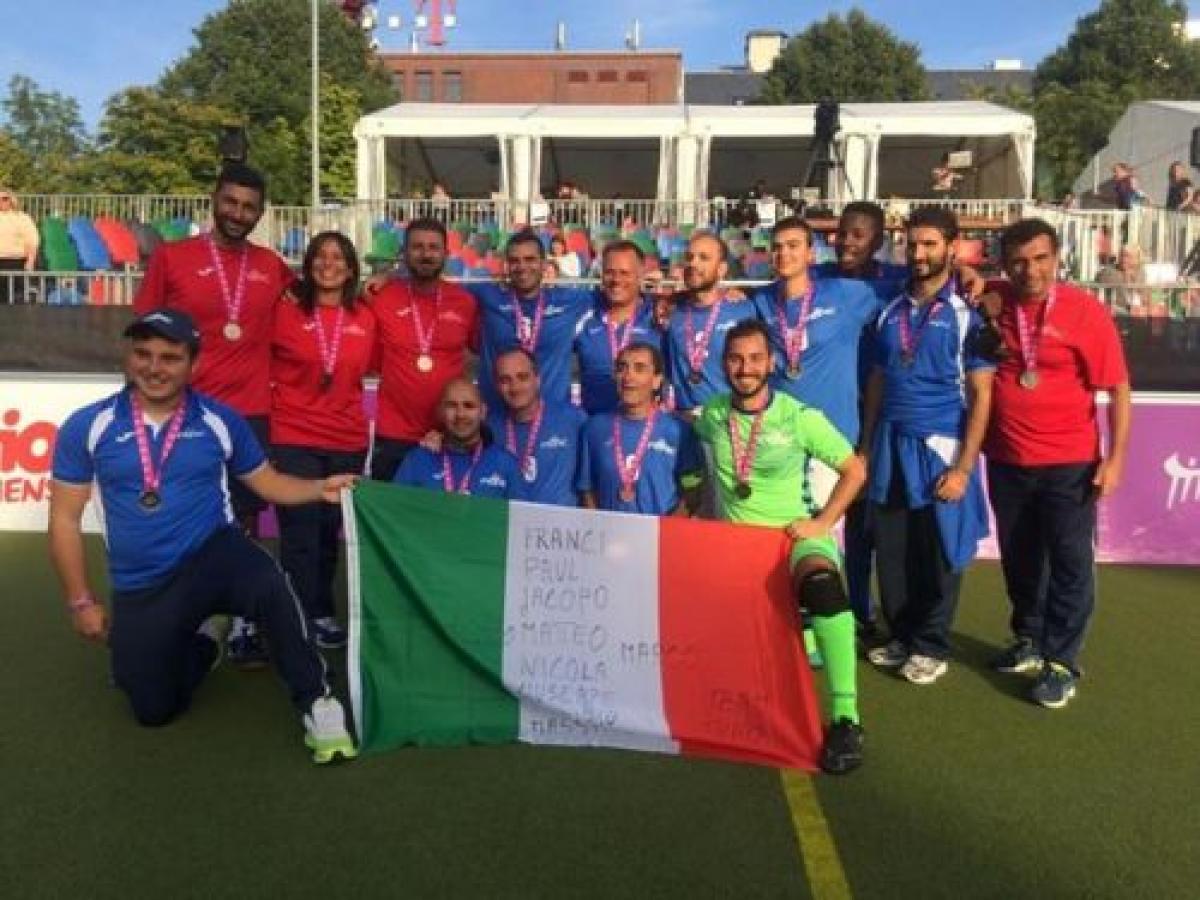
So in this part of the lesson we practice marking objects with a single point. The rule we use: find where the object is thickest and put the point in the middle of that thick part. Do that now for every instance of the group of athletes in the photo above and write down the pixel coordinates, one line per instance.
(857, 391)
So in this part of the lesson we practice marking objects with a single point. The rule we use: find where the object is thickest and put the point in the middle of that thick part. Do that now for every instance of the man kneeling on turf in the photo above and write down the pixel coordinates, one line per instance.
(158, 454)
(757, 444)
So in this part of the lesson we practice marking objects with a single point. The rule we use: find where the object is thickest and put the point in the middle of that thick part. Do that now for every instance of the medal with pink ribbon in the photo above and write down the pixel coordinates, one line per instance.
(910, 340)
(527, 331)
(464, 485)
(629, 468)
(150, 498)
(619, 336)
(233, 299)
(526, 455)
(697, 343)
(424, 338)
(795, 337)
(743, 454)
(329, 348)
(1031, 341)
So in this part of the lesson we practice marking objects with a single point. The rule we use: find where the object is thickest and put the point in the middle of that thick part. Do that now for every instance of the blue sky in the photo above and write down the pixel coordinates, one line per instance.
(89, 49)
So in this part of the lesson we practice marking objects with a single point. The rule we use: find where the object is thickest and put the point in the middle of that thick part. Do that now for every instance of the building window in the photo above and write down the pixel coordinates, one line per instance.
(577, 77)
(452, 84)
(424, 87)
(639, 76)
(608, 75)
(398, 85)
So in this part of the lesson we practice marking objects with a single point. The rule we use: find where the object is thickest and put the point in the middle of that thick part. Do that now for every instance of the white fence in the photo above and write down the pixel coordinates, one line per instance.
(1088, 236)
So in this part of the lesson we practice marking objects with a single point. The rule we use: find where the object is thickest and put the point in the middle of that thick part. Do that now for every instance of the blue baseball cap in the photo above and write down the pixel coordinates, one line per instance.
(173, 324)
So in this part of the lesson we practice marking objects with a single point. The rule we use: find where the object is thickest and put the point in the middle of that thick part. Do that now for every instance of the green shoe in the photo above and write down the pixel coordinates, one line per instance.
(325, 731)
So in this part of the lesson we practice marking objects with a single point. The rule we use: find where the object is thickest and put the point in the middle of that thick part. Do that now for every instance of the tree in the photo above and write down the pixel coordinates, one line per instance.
(44, 135)
(340, 108)
(16, 166)
(1127, 50)
(252, 59)
(850, 59)
(153, 144)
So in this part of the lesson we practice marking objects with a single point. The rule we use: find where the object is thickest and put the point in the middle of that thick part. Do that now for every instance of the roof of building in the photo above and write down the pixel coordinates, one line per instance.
(725, 88)
(956, 84)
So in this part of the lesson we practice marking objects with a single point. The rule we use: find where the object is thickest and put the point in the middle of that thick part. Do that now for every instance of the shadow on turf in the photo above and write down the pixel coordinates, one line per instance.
(976, 655)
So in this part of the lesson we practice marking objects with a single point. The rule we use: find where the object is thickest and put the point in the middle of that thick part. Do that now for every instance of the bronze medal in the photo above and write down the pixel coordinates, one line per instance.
(794, 370)
(425, 363)
(628, 495)
(1029, 379)
(695, 377)
(150, 500)
(326, 380)
(742, 490)
(232, 331)
(907, 358)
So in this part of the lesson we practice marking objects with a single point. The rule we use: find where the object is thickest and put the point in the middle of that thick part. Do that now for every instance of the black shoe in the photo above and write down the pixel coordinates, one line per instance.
(843, 750)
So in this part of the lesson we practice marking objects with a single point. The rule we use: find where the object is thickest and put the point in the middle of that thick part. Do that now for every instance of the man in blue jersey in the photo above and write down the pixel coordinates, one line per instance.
(155, 457)
(621, 316)
(524, 313)
(639, 458)
(925, 417)
(696, 328)
(466, 461)
(541, 434)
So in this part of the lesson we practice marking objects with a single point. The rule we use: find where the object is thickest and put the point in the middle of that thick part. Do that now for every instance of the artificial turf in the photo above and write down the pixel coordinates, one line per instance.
(969, 790)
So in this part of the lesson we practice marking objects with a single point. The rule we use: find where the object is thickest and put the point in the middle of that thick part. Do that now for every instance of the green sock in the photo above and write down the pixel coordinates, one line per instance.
(835, 638)
(815, 660)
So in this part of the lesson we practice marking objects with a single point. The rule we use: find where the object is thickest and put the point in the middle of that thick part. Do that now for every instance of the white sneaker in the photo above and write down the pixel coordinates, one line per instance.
(891, 655)
(920, 669)
(216, 629)
(325, 731)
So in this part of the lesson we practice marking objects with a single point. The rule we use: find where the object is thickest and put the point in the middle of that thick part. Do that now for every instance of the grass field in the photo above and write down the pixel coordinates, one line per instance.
(968, 791)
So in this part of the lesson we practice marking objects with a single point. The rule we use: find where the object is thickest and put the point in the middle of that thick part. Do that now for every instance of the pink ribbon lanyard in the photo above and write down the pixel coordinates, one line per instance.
(464, 486)
(697, 344)
(617, 344)
(530, 440)
(527, 334)
(329, 349)
(152, 477)
(424, 338)
(910, 340)
(629, 469)
(743, 456)
(1031, 338)
(795, 338)
(233, 302)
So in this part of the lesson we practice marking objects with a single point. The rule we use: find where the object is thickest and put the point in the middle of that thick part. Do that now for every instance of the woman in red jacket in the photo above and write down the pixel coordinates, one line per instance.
(323, 345)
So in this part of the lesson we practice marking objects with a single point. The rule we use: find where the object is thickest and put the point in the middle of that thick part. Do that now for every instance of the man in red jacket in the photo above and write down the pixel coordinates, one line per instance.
(1046, 470)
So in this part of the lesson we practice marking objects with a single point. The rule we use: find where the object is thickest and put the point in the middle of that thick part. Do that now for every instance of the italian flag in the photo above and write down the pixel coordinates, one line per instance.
(474, 620)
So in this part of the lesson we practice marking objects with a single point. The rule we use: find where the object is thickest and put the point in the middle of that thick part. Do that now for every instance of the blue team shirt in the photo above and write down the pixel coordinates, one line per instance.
(932, 389)
(672, 453)
(565, 308)
(495, 475)
(841, 309)
(550, 477)
(597, 385)
(97, 444)
(688, 395)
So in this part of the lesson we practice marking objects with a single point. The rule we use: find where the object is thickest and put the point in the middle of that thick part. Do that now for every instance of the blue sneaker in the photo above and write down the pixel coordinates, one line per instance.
(1021, 656)
(1055, 686)
(328, 634)
(246, 648)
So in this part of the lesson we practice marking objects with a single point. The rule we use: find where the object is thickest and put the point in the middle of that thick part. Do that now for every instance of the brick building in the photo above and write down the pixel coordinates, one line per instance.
(641, 77)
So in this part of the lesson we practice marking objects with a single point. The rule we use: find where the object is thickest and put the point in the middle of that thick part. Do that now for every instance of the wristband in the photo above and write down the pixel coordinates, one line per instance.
(82, 602)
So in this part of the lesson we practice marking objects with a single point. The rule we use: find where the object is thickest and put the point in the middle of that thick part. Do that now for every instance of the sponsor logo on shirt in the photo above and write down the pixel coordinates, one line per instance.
(1185, 480)
(451, 316)
(661, 446)
(495, 480)
(256, 275)
(821, 312)
(356, 330)
(554, 443)
(776, 439)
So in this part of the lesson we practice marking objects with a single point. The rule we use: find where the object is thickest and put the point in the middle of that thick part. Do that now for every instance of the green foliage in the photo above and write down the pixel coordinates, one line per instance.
(1127, 50)
(340, 109)
(252, 59)
(850, 59)
(16, 166)
(45, 124)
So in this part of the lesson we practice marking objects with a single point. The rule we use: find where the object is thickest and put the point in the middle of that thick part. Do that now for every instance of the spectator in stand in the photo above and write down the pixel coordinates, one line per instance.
(1180, 192)
(439, 194)
(568, 263)
(323, 345)
(1069, 201)
(1122, 298)
(19, 243)
(944, 179)
(1125, 186)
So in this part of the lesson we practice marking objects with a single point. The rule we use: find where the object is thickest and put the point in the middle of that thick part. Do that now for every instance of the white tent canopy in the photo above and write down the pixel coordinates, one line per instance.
(687, 153)
(1149, 136)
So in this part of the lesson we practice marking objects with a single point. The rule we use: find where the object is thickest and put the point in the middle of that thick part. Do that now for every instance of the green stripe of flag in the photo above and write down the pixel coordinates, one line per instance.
(438, 624)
